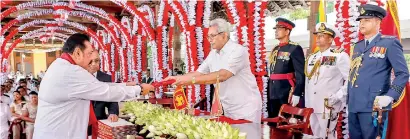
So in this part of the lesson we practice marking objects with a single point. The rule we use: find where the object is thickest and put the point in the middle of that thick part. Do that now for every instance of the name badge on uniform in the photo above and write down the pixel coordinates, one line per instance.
(284, 55)
(378, 52)
(329, 60)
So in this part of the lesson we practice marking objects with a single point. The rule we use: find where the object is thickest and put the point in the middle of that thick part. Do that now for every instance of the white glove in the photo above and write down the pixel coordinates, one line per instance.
(295, 100)
(383, 101)
(333, 100)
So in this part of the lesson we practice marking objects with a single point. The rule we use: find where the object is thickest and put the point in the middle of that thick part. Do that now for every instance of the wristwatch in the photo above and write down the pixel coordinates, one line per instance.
(193, 80)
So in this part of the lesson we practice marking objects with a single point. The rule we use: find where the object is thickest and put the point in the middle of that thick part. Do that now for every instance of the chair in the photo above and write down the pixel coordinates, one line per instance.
(301, 114)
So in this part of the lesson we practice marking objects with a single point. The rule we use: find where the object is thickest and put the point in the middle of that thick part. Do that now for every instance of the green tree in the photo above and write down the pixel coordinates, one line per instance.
(299, 13)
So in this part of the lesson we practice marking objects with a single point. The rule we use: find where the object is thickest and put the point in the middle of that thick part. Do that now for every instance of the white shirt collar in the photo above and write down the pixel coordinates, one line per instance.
(226, 48)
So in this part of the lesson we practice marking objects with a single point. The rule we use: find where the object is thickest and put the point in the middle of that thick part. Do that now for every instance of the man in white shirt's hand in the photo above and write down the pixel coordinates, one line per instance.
(229, 63)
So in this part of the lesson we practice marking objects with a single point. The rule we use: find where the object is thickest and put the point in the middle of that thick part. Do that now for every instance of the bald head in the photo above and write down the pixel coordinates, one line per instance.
(94, 66)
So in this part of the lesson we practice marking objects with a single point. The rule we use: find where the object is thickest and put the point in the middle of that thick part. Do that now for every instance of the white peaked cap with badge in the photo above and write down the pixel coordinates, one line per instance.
(323, 27)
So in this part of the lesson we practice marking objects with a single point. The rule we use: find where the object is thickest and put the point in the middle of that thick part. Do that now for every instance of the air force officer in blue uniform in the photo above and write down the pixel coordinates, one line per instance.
(373, 59)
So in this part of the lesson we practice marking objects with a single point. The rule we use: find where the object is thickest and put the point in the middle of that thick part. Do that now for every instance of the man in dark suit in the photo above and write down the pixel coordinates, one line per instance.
(146, 77)
(286, 80)
(99, 106)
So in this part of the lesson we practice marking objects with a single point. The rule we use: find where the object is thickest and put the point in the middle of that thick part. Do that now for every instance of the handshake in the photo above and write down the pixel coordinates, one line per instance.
(145, 88)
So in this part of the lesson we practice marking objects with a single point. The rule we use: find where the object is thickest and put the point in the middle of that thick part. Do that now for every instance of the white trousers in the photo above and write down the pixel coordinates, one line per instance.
(319, 125)
(29, 130)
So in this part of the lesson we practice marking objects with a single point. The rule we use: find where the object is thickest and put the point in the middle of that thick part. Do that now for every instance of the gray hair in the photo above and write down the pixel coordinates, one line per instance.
(222, 24)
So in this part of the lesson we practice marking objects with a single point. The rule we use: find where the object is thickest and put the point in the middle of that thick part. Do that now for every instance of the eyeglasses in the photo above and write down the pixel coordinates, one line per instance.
(212, 36)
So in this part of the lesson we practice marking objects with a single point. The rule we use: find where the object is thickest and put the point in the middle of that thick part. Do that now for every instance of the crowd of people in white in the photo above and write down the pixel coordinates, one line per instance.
(18, 104)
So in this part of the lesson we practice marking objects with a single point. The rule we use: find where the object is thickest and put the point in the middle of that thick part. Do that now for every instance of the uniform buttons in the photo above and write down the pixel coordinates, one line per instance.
(314, 93)
(380, 90)
(356, 86)
(361, 64)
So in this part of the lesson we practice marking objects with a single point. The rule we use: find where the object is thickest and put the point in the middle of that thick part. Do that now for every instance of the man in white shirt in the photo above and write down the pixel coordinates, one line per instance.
(229, 61)
(326, 78)
(64, 107)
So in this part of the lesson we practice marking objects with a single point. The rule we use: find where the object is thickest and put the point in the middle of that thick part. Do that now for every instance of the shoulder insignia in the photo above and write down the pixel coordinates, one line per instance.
(311, 54)
(388, 36)
(338, 50)
(293, 43)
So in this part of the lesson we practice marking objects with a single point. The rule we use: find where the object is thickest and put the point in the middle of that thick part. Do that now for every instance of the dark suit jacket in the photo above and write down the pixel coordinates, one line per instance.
(290, 59)
(147, 80)
(99, 106)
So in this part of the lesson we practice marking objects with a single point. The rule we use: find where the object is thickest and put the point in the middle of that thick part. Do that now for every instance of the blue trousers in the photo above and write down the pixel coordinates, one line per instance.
(361, 125)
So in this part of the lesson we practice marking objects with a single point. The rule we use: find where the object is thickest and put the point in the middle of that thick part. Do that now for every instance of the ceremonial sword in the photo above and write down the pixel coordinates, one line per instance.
(379, 112)
(327, 106)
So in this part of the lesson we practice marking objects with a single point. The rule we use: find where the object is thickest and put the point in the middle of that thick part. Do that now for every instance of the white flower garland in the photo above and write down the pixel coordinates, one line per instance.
(26, 5)
(191, 11)
(112, 58)
(122, 57)
(265, 97)
(164, 49)
(25, 36)
(34, 13)
(37, 51)
(139, 54)
(354, 25)
(160, 13)
(207, 13)
(129, 9)
(206, 21)
(125, 21)
(150, 16)
(134, 25)
(235, 16)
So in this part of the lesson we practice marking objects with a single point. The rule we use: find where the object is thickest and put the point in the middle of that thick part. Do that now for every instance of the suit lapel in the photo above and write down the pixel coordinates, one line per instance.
(373, 43)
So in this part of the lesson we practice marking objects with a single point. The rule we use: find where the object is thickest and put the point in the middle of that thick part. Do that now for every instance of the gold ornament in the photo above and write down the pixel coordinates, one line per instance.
(354, 67)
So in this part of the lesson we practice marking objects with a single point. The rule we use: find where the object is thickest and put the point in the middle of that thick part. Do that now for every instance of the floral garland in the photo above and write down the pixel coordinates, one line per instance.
(130, 7)
(170, 43)
(206, 46)
(113, 59)
(128, 59)
(347, 13)
(30, 34)
(158, 52)
(200, 89)
(38, 51)
(88, 8)
(256, 47)
(189, 30)
(49, 11)
(190, 7)
(150, 16)
(140, 55)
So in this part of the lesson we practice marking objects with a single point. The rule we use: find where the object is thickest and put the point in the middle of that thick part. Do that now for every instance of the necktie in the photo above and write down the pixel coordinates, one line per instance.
(367, 44)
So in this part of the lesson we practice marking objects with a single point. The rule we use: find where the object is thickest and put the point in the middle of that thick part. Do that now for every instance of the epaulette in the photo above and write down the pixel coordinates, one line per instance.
(293, 43)
(311, 55)
(388, 36)
(6, 95)
(337, 50)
